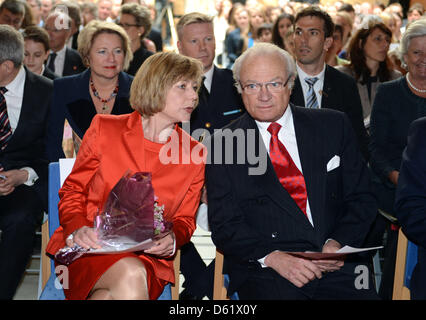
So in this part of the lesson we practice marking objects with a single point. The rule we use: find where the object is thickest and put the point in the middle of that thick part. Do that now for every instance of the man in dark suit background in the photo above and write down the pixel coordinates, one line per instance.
(62, 60)
(24, 104)
(219, 104)
(332, 89)
(12, 13)
(410, 204)
(308, 190)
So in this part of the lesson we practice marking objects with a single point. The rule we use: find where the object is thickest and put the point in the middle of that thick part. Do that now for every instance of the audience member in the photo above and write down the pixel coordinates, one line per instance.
(62, 60)
(410, 207)
(136, 20)
(12, 13)
(24, 96)
(396, 105)
(331, 57)
(104, 10)
(318, 85)
(264, 33)
(163, 94)
(370, 64)
(257, 218)
(237, 40)
(103, 88)
(89, 12)
(36, 51)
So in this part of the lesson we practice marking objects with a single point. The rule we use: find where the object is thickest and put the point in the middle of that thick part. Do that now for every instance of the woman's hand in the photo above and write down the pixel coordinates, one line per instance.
(163, 247)
(85, 237)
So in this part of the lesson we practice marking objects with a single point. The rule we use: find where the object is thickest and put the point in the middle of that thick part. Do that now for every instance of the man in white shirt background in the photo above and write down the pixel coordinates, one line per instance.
(24, 105)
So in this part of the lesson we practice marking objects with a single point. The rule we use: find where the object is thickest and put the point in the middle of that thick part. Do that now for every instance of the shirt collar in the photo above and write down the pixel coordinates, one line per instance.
(16, 86)
(286, 121)
(60, 52)
(209, 79)
(303, 75)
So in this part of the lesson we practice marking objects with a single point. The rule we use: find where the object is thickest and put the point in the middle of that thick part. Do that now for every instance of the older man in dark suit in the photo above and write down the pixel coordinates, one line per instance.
(24, 101)
(411, 202)
(297, 182)
(319, 85)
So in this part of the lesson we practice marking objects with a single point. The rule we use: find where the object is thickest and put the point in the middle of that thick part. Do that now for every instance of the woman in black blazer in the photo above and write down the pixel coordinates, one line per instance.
(103, 88)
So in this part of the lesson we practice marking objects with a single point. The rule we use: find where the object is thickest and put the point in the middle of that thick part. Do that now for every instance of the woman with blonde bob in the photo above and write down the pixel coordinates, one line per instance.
(163, 94)
(103, 88)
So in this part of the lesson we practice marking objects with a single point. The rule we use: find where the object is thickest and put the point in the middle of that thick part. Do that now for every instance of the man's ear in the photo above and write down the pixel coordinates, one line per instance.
(328, 42)
(179, 46)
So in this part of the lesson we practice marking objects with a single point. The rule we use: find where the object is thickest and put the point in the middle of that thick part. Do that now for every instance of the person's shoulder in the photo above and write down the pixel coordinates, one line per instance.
(419, 125)
(392, 85)
(39, 81)
(338, 76)
(345, 69)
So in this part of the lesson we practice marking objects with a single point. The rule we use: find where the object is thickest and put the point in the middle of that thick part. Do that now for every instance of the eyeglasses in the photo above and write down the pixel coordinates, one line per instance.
(273, 86)
(127, 25)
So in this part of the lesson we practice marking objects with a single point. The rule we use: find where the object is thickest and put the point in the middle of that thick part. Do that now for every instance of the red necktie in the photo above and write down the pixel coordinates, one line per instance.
(289, 175)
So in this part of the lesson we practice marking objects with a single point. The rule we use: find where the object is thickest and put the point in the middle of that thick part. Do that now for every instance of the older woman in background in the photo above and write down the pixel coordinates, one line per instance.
(36, 51)
(103, 88)
(370, 64)
(396, 105)
(136, 20)
(163, 94)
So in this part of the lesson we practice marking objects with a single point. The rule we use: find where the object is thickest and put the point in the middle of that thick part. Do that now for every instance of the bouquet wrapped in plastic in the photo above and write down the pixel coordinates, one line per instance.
(131, 220)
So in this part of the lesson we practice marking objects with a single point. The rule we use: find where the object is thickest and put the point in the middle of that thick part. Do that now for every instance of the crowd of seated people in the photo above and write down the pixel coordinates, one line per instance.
(85, 55)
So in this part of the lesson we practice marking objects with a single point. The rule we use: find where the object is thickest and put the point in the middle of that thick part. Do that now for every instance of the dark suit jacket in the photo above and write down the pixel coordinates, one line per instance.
(26, 148)
(395, 108)
(224, 103)
(73, 63)
(72, 101)
(340, 93)
(250, 216)
(410, 206)
(49, 74)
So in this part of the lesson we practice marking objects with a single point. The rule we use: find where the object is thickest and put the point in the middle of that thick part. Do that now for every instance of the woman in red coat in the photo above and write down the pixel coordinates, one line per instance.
(163, 93)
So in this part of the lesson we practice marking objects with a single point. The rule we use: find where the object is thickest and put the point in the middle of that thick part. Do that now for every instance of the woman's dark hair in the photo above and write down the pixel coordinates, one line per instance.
(276, 38)
(357, 55)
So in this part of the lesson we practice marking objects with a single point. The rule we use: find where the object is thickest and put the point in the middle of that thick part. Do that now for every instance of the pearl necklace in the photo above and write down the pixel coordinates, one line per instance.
(96, 94)
(411, 85)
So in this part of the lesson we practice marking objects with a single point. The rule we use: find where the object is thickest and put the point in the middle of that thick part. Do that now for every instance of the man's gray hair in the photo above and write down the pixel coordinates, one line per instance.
(414, 29)
(11, 45)
(263, 49)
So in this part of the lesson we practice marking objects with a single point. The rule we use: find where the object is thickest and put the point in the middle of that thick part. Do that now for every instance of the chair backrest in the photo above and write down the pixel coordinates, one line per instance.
(221, 281)
(406, 260)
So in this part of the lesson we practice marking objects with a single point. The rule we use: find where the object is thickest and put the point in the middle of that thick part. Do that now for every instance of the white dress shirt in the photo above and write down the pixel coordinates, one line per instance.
(59, 61)
(209, 79)
(287, 137)
(317, 86)
(14, 97)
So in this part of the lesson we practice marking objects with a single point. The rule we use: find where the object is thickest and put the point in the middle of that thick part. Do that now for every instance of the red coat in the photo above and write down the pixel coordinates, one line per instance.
(111, 146)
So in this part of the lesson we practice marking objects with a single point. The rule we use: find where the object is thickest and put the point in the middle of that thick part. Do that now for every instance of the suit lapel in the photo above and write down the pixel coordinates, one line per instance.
(310, 148)
(297, 97)
(326, 89)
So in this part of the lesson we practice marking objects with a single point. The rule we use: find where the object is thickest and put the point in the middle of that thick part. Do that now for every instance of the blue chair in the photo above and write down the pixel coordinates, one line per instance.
(406, 260)
(52, 289)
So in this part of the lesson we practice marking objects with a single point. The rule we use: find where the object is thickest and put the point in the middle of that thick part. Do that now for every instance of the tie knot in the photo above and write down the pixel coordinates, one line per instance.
(274, 128)
(53, 54)
(311, 81)
(3, 90)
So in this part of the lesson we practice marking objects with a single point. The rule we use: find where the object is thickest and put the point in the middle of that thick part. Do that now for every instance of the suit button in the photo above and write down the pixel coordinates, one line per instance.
(208, 125)
(274, 235)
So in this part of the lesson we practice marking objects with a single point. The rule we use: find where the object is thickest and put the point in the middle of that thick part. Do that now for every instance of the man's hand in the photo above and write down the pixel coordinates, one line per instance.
(13, 178)
(298, 271)
(329, 265)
